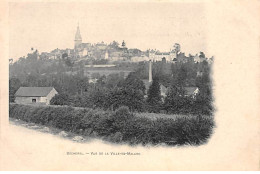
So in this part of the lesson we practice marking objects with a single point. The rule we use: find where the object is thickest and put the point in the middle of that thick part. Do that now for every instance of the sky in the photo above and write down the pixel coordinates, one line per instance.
(47, 25)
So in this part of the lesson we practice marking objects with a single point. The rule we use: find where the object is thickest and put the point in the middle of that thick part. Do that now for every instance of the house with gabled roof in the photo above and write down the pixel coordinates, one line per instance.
(191, 91)
(35, 95)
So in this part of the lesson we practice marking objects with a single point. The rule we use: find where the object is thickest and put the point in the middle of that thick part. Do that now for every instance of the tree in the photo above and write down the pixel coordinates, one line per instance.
(204, 99)
(101, 81)
(32, 56)
(182, 75)
(129, 97)
(60, 99)
(82, 84)
(134, 82)
(67, 61)
(31, 80)
(114, 80)
(202, 55)
(142, 70)
(95, 97)
(64, 56)
(114, 44)
(154, 98)
(11, 61)
(134, 99)
(123, 43)
(95, 75)
(128, 92)
(177, 47)
(175, 101)
(14, 85)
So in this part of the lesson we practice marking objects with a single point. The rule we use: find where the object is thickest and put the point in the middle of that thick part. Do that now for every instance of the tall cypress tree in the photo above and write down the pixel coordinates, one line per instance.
(154, 99)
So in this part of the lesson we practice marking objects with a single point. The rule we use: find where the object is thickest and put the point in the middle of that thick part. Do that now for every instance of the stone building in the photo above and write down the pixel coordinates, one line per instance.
(35, 95)
(157, 55)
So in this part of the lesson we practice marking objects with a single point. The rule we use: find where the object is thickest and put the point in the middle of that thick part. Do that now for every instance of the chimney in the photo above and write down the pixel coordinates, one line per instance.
(150, 71)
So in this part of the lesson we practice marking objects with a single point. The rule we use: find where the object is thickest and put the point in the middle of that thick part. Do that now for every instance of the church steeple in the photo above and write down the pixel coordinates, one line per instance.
(78, 39)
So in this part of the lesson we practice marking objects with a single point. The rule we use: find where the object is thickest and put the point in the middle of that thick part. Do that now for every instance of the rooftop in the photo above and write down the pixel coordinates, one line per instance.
(190, 90)
(33, 91)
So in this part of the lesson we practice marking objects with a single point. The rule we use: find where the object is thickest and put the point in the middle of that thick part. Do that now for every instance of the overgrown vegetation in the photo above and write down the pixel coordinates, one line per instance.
(113, 91)
(118, 126)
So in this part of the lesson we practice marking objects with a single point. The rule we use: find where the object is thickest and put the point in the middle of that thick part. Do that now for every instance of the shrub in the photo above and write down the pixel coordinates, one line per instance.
(118, 126)
(123, 113)
(117, 137)
(60, 99)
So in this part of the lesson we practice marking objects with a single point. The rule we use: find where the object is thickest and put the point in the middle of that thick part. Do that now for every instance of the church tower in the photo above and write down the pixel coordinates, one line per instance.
(78, 39)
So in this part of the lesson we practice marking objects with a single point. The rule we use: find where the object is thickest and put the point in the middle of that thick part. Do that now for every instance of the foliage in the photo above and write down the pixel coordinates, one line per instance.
(14, 84)
(60, 99)
(118, 126)
(174, 101)
(154, 98)
(134, 82)
(114, 90)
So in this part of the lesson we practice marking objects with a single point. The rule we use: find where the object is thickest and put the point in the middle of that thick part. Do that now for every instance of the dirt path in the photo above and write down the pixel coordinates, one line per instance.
(50, 130)
(25, 148)
(28, 147)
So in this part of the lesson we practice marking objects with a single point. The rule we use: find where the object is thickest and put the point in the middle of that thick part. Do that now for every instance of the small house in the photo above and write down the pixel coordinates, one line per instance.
(35, 95)
(191, 91)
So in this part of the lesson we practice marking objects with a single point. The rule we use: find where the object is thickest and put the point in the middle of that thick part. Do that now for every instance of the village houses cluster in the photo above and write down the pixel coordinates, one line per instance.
(119, 52)
(111, 52)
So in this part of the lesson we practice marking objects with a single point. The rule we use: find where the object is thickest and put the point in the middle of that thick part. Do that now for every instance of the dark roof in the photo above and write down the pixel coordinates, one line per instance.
(86, 44)
(165, 53)
(33, 91)
(190, 90)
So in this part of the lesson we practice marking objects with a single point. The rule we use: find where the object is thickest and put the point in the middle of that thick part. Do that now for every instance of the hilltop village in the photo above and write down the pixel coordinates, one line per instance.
(105, 59)
(118, 52)
(111, 75)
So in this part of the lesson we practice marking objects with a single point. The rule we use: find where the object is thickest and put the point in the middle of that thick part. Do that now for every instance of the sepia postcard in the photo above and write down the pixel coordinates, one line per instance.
(139, 85)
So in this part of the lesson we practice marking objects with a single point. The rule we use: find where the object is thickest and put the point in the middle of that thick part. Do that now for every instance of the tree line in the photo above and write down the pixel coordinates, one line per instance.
(112, 91)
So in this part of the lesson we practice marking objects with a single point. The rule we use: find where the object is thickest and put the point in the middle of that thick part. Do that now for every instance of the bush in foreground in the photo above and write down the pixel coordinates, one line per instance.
(118, 126)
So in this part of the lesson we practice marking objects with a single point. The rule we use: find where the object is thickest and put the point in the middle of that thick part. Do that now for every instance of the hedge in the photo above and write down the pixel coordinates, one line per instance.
(118, 126)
